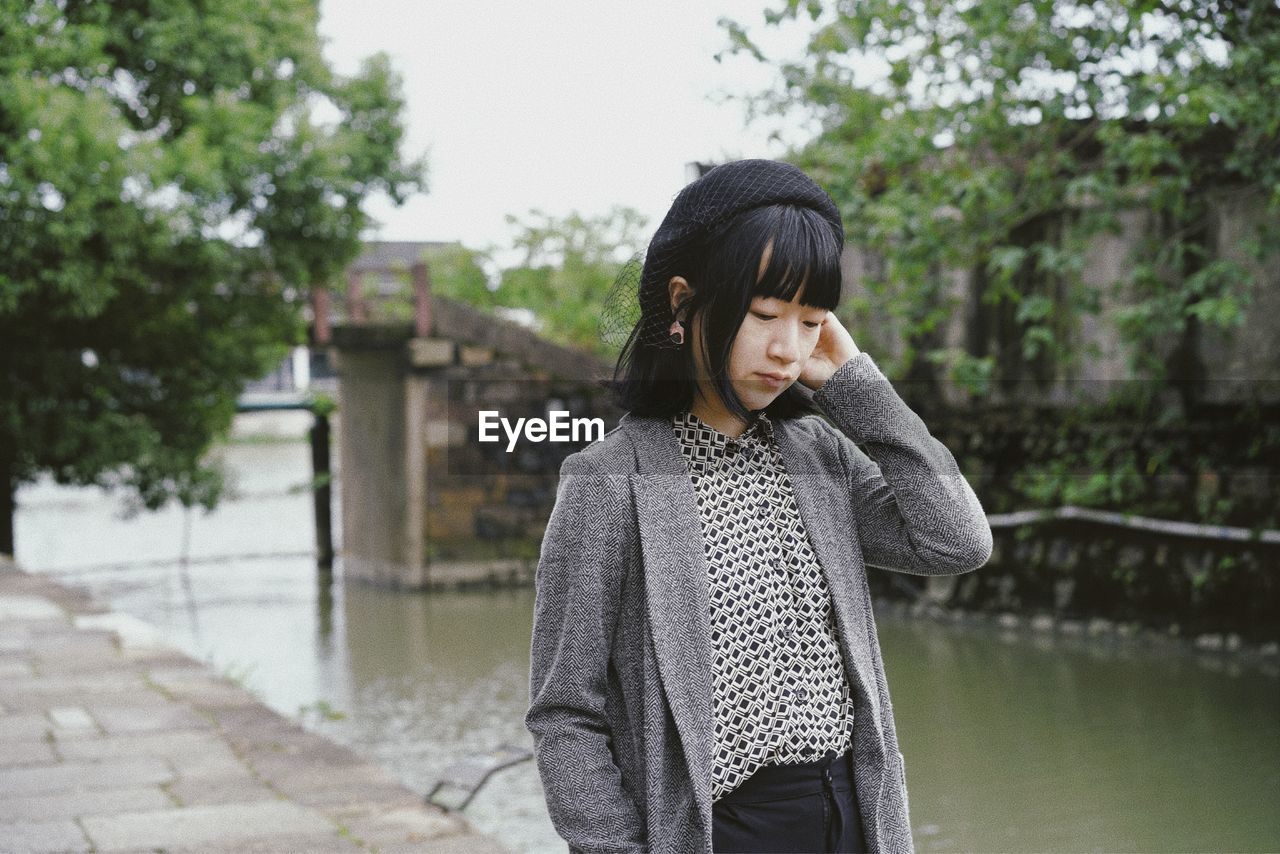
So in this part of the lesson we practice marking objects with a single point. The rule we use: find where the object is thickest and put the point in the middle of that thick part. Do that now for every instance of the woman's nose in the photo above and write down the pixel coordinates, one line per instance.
(785, 343)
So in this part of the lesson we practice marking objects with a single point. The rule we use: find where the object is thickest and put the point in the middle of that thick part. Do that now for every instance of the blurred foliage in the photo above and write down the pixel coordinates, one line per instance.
(558, 268)
(458, 272)
(171, 174)
(322, 404)
(567, 267)
(1000, 138)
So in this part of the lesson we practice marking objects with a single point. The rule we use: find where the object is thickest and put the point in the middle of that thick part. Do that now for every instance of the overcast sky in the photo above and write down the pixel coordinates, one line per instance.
(571, 105)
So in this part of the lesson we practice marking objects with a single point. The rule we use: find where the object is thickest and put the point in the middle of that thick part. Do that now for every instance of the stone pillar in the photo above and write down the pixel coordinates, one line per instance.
(414, 573)
(421, 300)
(320, 315)
(376, 511)
(357, 311)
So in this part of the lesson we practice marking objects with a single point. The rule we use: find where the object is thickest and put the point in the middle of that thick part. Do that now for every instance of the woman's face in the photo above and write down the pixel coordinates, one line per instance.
(773, 343)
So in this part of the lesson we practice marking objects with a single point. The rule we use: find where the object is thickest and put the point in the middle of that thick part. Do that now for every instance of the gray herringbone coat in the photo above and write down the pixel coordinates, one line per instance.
(620, 678)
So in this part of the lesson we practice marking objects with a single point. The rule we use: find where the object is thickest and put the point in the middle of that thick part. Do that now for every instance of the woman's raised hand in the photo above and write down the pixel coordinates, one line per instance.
(835, 347)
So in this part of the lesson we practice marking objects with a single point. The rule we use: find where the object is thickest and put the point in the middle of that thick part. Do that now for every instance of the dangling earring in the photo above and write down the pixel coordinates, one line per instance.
(676, 332)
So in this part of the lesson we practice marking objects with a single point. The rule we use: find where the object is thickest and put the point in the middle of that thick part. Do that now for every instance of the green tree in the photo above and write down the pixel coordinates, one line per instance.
(458, 272)
(1000, 137)
(169, 187)
(562, 272)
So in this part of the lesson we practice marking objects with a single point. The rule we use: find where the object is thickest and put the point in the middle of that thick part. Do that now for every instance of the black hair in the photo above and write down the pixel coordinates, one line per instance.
(724, 274)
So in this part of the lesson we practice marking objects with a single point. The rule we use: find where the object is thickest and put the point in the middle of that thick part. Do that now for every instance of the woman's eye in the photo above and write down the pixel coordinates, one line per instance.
(809, 323)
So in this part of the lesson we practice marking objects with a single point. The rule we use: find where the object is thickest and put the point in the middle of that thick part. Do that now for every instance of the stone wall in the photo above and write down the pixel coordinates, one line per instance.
(1229, 366)
(1077, 569)
(1081, 572)
(483, 502)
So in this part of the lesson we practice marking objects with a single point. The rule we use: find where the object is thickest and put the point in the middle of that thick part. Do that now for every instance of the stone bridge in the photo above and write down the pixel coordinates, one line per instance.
(424, 503)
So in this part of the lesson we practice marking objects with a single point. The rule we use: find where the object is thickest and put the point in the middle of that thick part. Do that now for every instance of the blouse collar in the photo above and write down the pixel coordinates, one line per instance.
(702, 443)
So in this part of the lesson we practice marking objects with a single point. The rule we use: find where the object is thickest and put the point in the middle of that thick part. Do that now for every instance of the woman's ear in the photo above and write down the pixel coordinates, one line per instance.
(680, 292)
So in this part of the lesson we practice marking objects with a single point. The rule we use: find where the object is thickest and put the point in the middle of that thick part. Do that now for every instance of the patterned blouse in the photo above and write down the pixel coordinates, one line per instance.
(779, 688)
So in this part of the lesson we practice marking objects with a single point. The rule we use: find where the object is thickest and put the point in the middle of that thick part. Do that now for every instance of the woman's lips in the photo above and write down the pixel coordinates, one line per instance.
(774, 381)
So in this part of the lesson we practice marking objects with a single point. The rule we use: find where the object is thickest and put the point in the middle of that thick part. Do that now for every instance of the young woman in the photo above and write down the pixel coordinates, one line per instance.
(705, 670)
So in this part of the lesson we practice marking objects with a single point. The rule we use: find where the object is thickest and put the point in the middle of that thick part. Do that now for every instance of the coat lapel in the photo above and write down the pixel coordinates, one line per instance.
(827, 512)
(676, 579)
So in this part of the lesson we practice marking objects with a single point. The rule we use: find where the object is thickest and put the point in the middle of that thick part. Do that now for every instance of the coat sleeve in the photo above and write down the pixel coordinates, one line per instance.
(575, 611)
(915, 511)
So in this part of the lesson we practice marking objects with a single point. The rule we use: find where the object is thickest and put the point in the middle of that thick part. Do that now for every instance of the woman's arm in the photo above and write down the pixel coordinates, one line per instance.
(914, 510)
(575, 610)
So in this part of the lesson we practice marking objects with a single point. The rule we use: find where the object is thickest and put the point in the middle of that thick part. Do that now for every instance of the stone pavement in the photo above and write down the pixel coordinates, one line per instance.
(111, 741)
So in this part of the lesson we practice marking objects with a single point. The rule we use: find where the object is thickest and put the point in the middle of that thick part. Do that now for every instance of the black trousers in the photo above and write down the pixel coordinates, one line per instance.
(809, 807)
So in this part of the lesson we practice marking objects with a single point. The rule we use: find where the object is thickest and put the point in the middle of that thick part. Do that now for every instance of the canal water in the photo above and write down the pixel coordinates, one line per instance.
(1011, 743)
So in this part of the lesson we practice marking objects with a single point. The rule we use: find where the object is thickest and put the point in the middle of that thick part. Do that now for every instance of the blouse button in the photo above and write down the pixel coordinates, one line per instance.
(801, 695)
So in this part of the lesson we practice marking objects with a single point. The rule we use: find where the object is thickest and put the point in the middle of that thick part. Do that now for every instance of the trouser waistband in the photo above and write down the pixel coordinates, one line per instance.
(776, 782)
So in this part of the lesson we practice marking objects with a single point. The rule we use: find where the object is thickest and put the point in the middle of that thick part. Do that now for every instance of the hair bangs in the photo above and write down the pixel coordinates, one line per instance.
(805, 255)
